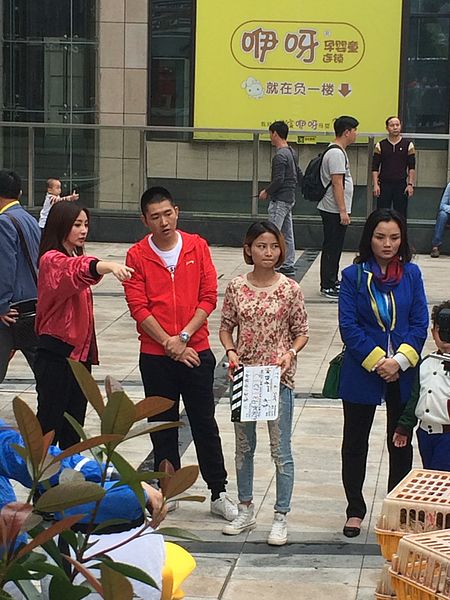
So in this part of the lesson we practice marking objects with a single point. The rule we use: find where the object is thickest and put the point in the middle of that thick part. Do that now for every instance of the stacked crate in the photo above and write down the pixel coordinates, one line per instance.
(420, 503)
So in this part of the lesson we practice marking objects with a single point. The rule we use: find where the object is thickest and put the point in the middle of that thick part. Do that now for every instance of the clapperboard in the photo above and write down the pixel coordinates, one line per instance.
(255, 393)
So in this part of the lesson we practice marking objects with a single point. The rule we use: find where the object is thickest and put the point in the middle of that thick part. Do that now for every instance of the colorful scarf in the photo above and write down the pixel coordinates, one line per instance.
(383, 284)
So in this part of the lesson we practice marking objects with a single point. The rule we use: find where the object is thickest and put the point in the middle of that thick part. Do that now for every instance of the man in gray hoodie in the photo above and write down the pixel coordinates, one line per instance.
(281, 191)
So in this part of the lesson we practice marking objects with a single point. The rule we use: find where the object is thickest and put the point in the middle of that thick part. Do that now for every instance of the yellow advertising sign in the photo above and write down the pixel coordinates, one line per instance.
(305, 62)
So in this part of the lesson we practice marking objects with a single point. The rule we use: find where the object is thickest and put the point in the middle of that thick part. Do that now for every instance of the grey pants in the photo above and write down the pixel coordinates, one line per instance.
(6, 347)
(280, 214)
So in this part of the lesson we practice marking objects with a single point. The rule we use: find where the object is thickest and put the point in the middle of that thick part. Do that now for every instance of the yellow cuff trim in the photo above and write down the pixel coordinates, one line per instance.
(410, 353)
(371, 359)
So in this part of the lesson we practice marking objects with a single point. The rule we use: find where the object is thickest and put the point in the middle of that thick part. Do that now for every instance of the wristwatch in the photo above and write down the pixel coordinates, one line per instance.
(184, 337)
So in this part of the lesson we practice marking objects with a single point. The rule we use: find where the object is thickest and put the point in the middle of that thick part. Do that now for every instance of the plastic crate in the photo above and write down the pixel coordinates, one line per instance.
(384, 590)
(419, 503)
(421, 569)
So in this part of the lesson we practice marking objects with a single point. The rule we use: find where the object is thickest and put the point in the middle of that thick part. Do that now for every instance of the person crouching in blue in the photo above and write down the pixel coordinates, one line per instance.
(146, 552)
(383, 320)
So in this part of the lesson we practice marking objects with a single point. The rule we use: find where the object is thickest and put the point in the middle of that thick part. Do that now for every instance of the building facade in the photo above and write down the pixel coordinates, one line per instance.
(131, 63)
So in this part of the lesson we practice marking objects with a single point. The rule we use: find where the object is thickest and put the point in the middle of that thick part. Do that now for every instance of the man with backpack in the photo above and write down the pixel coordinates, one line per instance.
(286, 174)
(335, 205)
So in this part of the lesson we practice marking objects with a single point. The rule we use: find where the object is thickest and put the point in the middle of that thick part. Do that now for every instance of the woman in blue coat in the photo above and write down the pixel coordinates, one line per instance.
(383, 320)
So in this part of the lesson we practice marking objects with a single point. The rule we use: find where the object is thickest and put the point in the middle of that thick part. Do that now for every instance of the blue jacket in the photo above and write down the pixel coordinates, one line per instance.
(366, 338)
(16, 280)
(119, 502)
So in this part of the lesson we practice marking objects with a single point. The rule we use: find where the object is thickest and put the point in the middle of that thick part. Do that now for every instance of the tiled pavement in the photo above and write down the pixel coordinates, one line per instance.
(318, 563)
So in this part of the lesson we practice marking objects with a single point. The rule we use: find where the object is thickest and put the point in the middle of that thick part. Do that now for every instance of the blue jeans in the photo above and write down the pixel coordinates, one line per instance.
(280, 448)
(280, 214)
(441, 222)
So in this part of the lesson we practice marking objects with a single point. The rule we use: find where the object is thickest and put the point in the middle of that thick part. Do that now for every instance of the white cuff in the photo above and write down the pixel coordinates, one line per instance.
(402, 361)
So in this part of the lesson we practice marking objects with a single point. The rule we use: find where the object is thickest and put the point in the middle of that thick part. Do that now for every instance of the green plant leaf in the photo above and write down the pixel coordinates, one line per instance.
(12, 518)
(105, 524)
(190, 498)
(143, 428)
(5, 596)
(71, 538)
(129, 571)
(87, 444)
(47, 534)
(119, 414)
(30, 431)
(66, 495)
(166, 467)
(71, 476)
(151, 406)
(112, 385)
(47, 468)
(76, 426)
(86, 574)
(180, 481)
(62, 588)
(115, 585)
(33, 521)
(21, 451)
(182, 534)
(88, 386)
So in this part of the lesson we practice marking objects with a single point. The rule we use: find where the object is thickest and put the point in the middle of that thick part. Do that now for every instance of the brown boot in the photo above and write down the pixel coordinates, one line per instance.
(434, 252)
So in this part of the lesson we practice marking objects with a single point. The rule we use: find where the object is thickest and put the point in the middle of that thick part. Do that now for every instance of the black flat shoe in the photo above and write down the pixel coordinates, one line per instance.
(351, 532)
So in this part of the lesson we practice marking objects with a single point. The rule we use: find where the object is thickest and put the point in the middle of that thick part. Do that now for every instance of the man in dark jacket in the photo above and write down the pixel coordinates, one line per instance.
(281, 191)
(16, 279)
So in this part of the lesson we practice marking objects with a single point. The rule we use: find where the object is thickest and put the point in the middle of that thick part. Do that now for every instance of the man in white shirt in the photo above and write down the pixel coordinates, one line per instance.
(336, 205)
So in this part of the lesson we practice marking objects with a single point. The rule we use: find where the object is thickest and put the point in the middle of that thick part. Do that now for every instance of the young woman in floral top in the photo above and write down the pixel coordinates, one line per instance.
(268, 311)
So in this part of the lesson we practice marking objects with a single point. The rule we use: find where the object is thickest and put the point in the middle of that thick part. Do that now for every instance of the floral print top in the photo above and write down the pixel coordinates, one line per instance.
(268, 320)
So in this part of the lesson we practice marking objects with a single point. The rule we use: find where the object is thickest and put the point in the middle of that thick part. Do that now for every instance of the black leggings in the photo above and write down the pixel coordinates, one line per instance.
(358, 419)
(58, 392)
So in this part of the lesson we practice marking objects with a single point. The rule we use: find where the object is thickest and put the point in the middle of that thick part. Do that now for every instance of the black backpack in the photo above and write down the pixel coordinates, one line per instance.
(312, 186)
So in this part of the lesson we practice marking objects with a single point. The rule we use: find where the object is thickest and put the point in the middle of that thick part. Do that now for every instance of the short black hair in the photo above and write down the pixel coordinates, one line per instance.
(257, 229)
(154, 195)
(376, 217)
(392, 117)
(10, 185)
(437, 309)
(343, 123)
(281, 128)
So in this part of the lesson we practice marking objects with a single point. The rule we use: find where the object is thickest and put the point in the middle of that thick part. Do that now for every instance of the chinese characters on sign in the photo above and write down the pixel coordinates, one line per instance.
(299, 88)
(255, 394)
(304, 44)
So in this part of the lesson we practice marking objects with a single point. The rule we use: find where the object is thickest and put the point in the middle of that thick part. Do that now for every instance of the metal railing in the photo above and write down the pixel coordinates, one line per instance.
(149, 135)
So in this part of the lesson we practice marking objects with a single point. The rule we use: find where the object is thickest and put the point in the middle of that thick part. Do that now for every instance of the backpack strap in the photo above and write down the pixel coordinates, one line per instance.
(330, 147)
(24, 246)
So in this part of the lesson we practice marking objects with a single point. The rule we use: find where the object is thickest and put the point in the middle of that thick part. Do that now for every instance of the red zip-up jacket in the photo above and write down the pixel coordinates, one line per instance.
(65, 307)
(171, 298)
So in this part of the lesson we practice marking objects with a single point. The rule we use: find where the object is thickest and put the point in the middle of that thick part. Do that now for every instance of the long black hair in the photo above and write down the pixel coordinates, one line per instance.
(386, 215)
(60, 221)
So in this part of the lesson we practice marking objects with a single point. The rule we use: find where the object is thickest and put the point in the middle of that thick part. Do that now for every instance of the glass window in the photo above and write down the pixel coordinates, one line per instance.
(427, 75)
(430, 6)
(171, 50)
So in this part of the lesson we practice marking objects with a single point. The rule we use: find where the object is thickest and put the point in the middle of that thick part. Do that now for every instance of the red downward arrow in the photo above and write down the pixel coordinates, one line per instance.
(345, 89)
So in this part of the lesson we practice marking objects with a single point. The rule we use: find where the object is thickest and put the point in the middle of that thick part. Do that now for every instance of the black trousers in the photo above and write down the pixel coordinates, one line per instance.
(58, 392)
(358, 419)
(393, 196)
(165, 377)
(333, 242)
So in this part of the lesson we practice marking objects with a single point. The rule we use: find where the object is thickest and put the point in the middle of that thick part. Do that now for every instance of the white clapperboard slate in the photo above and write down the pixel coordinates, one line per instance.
(255, 393)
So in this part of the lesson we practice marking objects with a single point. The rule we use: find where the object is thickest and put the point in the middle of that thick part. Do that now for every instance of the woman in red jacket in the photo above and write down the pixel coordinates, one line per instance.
(64, 317)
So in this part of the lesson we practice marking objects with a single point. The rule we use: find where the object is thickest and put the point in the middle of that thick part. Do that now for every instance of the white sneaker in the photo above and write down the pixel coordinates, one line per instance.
(278, 533)
(225, 507)
(244, 521)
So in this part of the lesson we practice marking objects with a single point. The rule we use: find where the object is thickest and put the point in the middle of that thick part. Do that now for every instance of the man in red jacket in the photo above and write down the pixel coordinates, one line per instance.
(171, 295)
